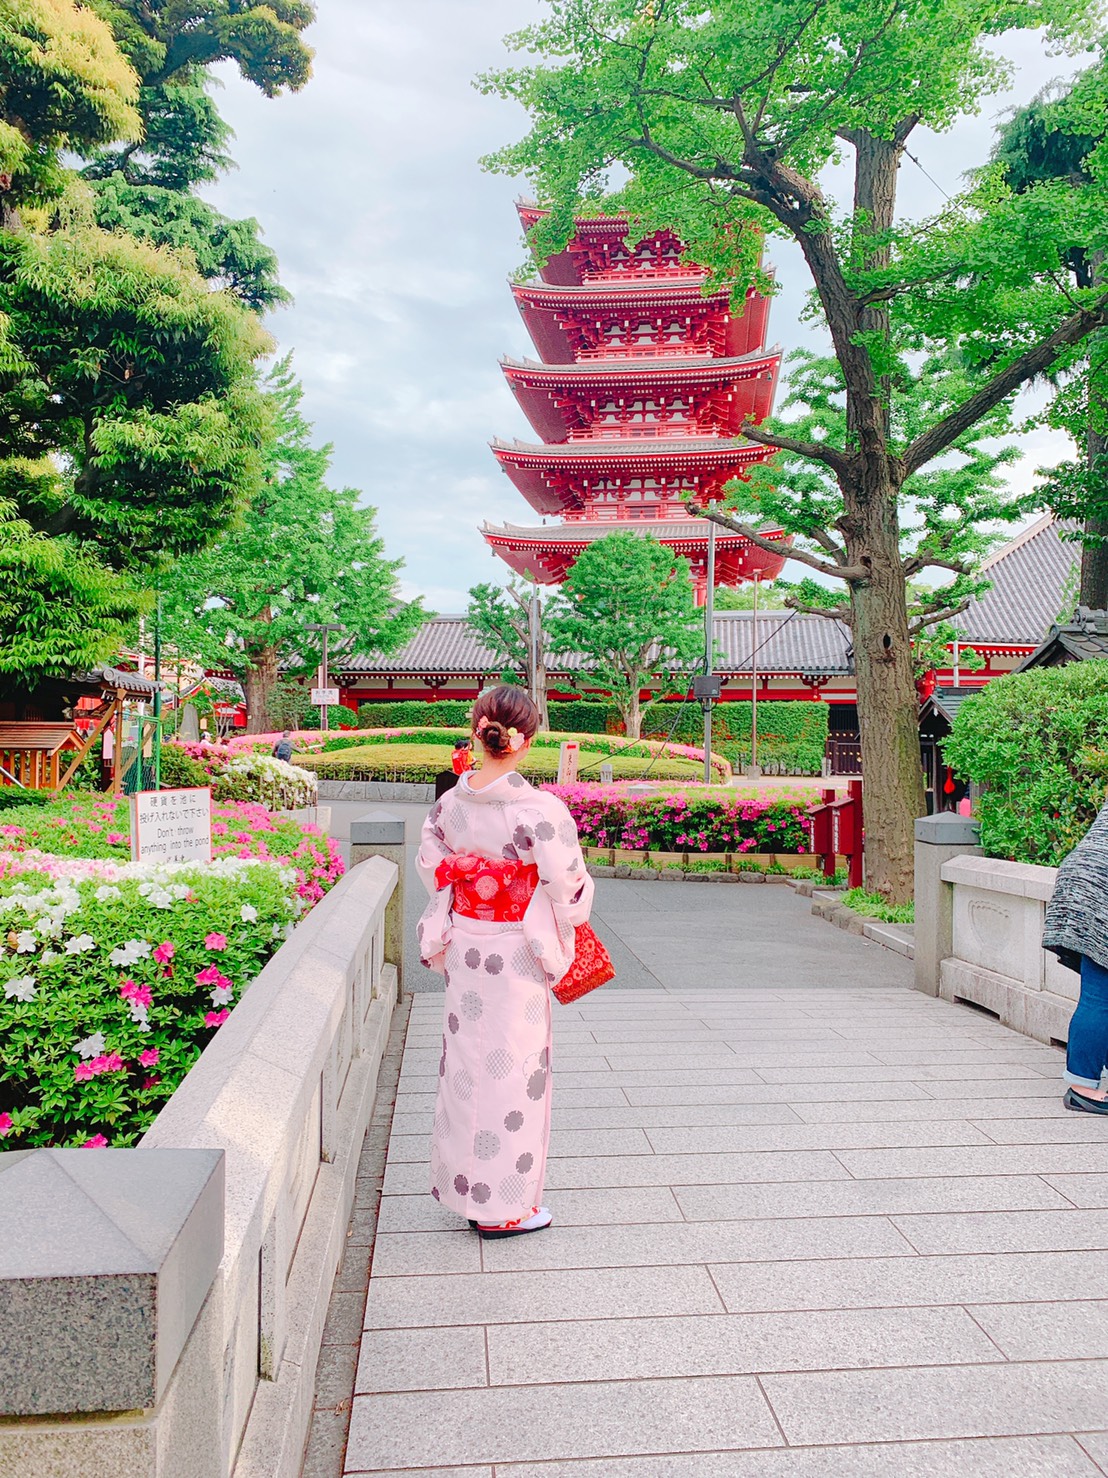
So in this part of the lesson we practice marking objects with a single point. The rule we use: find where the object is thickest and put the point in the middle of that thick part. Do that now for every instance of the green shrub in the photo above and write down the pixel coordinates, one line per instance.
(12, 796)
(585, 716)
(409, 713)
(420, 762)
(792, 736)
(873, 906)
(1036, 743)
(180, 771)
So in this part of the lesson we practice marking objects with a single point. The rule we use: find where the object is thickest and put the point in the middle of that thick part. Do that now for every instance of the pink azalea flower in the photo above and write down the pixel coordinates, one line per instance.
(213, 941)
(6, 1125)
(140, 994)
(209, 976)
(149, 1058)
(82, 1072)
(97, 1142)
(165, 952)
(115, 839)
(216, 1018)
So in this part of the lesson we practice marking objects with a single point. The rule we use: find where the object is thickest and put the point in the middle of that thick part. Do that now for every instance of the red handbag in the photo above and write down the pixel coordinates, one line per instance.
(592, 966)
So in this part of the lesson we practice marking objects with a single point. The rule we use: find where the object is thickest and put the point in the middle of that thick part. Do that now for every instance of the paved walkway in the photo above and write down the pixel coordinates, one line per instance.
(808, 1224)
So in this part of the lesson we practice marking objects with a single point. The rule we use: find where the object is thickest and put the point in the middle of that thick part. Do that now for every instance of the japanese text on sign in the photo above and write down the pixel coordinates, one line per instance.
(172, 825)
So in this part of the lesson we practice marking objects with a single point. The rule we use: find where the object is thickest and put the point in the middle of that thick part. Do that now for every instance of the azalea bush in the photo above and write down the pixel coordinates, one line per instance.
(114, 977)
(237, 773)
(99, 826)
(1035, 743)
(704, 820)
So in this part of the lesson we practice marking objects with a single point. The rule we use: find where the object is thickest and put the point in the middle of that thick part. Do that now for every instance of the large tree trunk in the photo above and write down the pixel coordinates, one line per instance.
(260, 685)
(631, 711)
(1094, 552)
(888, 705)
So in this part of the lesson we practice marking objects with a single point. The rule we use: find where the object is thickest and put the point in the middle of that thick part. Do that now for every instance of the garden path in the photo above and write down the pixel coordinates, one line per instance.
(808, 1224)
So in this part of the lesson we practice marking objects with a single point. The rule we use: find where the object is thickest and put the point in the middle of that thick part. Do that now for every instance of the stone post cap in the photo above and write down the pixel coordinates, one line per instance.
(377, 829)
(947, 829)
(106, 1258)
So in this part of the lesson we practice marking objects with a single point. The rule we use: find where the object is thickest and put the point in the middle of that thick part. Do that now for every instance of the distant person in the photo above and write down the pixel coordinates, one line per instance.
(1077, 932)
(282, 750)
(462, 758)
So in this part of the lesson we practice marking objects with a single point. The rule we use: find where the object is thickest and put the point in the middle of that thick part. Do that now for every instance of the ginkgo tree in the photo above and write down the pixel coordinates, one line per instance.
(719, 119)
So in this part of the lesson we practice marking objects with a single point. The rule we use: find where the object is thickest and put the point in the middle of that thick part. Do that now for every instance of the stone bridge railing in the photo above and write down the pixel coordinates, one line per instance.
(979, 928)
(162, 1308)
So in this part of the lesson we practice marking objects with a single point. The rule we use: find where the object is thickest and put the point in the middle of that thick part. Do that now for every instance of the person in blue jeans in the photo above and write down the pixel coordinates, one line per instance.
(1077, 932)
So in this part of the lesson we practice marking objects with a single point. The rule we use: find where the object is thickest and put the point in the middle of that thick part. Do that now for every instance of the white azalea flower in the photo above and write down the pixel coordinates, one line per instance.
(131, 952)
(25, 942)
(80, 945)
(20, 988)
(107, 893)
(48, 957)
(91, 1047)
(248, 914)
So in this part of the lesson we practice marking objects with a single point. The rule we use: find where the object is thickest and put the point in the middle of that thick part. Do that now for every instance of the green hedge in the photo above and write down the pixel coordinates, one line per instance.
(584, 716)
(1037, 744)
(421, 762)
(792, 736)
(14, 795)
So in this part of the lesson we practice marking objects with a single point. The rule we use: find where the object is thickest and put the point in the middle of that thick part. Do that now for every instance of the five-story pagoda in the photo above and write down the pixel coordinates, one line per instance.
(639, 395)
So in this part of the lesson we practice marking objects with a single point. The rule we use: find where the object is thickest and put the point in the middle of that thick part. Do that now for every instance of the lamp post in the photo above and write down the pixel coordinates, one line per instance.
(158, 697)
(754, 769)
(709, 644)
(325, 628)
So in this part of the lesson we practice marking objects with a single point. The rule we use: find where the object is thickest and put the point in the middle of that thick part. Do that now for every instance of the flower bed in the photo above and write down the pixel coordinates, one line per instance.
(315, 742)
(113, 978)
(707, 820)
(420, 763)
(113, 974)
(240, 774)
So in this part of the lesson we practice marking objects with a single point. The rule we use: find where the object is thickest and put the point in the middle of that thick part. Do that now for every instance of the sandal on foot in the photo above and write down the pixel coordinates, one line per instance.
(537, 1222)
(1082, 1105)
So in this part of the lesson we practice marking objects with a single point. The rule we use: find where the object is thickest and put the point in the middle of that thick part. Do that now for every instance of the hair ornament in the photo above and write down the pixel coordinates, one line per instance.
(516, 740)
(482, 724)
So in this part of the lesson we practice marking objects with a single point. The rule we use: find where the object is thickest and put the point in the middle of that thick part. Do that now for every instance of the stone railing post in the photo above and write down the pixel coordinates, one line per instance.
(380, 834)
(938, 839)
(110, 1312)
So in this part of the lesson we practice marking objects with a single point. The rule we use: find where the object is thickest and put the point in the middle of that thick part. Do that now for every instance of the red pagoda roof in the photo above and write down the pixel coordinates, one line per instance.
(717, 395)
(568, 323)
(600, 249)
(546, 554)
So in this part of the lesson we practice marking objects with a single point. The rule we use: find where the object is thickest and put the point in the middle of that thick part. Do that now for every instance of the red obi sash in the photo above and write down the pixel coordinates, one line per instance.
(490, 888)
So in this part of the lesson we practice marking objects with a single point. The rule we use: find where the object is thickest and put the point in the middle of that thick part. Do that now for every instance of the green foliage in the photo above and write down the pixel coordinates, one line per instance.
(63, 85)
(180, 771)
(585, 716)
(1035, 743)
(411, 712)
(421, 762)
(771, 596)
(627, 608)
(60, 610)
(873, 906)
(792, 737)
(12, 796)
(303, 552)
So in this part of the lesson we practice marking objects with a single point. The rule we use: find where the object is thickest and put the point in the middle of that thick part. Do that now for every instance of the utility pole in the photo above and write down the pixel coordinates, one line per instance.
(709, 652)
(324, 676)
(157, 697)
(754, 770)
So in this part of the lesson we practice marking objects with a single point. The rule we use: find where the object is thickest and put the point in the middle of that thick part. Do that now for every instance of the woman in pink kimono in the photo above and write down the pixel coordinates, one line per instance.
(508, 886)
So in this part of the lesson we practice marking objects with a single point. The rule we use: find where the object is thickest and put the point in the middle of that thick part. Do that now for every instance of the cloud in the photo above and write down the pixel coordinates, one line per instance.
(398, 248)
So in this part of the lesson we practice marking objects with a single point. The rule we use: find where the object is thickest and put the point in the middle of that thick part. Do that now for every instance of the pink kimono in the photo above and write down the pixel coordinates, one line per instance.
(492, 1112)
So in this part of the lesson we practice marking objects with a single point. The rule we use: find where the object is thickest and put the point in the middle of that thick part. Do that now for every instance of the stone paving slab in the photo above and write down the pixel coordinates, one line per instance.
(808, 1224)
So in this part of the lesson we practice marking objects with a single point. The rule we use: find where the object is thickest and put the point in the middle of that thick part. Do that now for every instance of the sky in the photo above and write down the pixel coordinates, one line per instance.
(398, 248)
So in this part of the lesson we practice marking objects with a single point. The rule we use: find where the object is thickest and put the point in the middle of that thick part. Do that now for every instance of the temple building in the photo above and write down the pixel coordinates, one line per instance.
(638, 398)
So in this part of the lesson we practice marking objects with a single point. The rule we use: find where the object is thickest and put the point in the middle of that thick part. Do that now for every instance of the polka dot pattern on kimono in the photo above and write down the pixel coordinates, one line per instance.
(442, 1123)
(536, 1085)
(524, 1163)
(567, 833)
(462, 1084)
(516, 781)
(513, 1121)
(473, 958)
(535, 1008)
(480, 1192)
(470, 1006)
(499, 1063)
(511, 1189)
(545, 832)
(486, 1145)
(494, 964)
(525, 964)
(453, 1023)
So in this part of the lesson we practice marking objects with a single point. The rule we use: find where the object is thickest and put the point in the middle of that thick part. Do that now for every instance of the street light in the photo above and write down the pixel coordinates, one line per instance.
(754, 770)
(326, 628)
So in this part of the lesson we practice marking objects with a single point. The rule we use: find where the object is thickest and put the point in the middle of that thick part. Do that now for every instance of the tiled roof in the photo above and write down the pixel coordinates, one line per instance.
(786, 642)
(1083, 639)
(1029, 579)
(667, 530)
(626, 447)
(648, 367)
(947, 701)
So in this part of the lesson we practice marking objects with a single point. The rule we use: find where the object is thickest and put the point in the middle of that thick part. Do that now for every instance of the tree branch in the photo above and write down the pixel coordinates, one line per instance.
(830, 613)
(932, 618)
(815, 451)
(788, 551)
(1029, 364)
